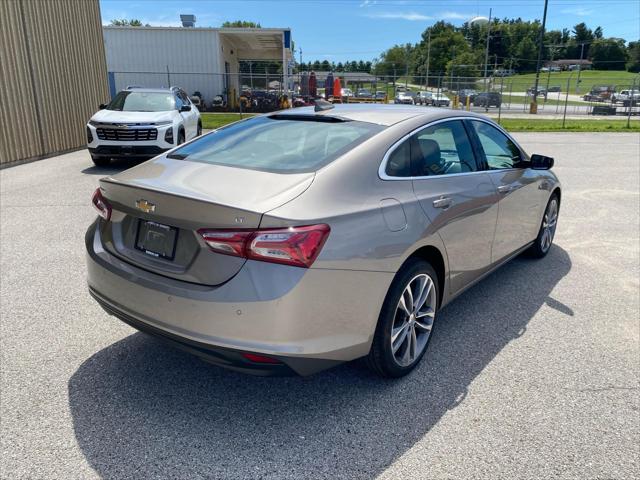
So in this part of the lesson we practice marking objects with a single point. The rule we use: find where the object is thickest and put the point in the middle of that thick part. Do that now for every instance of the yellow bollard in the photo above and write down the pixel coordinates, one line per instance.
(468, 102)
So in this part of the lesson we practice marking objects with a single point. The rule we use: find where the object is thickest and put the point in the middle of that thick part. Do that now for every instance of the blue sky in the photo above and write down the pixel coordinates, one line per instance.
(339, 30)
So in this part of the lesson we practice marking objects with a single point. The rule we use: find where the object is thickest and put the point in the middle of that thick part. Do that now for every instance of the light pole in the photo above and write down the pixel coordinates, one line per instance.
(486, 53)
(579, 69)
(426, 81)
(533, 108)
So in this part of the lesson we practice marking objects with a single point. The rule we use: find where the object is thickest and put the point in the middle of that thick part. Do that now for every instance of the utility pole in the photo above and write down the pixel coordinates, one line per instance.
(533, 108)
(486, 53)
(579, 69)
(426, 82)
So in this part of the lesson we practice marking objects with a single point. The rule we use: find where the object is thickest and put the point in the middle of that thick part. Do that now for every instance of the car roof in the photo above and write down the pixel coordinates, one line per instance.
(380, 114)
(149, 90)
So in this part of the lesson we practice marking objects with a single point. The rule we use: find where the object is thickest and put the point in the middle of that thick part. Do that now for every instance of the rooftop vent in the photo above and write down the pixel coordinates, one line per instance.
(188, 20)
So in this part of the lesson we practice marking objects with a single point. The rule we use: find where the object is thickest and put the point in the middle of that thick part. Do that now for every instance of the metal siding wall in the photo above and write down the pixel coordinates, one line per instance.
(140, 56)
(53, 72)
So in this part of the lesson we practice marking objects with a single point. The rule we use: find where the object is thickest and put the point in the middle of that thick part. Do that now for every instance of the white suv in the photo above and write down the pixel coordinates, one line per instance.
(142, 123)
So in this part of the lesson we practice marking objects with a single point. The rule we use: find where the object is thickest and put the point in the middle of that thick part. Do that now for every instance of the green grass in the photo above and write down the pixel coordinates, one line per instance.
(526, 125)
(588, 78)
(217, 120)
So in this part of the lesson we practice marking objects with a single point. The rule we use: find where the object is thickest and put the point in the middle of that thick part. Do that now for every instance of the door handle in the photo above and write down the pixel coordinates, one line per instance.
(504, 189)
(442, 202)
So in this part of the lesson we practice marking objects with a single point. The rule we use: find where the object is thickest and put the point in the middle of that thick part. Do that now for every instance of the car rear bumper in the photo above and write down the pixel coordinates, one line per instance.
(308, 319)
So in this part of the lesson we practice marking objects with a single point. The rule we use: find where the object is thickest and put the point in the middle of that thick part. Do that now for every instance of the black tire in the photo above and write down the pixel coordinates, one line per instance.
(199, 130)
(100, 161)
(540, 247)
(180, 137)
(381, 357)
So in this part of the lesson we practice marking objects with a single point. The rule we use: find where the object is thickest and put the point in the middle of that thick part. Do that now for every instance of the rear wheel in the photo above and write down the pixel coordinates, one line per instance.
(406, 320)
(199, 130)
(544, 240)
(100, 161)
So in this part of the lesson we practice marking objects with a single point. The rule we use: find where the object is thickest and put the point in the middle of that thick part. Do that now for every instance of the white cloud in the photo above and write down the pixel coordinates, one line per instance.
(578, 12)
(412, 16)
(454, 16)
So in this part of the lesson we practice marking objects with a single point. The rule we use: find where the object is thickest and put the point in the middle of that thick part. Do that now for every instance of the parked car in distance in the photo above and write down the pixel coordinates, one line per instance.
(487, 99)
(554, 88)
(405, 98)
(440, 100)
(380, 95)
(346, 92)
(600, 93)
(625, 96)
(423, 97)
(142, 123)
(466, 93)
(502, 72)
(542, 91)
(344, 241)
(363, 93)
(197, 102)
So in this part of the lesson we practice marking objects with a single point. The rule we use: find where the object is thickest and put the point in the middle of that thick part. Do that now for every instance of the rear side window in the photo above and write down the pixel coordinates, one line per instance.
(278, 145)
(442, 149)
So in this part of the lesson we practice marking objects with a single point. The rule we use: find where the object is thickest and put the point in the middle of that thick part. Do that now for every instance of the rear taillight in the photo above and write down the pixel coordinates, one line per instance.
(297, 246)
(101, 205)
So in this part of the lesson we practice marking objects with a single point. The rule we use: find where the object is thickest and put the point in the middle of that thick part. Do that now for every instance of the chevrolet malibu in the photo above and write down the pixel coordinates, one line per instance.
(294, 241)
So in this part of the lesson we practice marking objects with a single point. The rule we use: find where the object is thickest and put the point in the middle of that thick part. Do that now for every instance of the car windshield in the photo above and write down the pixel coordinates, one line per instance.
(132, 101)
(280, 143)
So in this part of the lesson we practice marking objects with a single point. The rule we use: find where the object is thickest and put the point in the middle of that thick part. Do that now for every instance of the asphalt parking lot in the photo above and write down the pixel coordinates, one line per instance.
(533, 373)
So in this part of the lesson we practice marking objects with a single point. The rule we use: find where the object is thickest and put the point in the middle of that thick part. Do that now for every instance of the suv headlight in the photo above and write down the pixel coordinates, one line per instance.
(160, 124)
(94, 123)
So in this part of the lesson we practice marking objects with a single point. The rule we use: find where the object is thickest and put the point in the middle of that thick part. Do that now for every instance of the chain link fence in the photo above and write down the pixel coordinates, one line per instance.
(559, 94)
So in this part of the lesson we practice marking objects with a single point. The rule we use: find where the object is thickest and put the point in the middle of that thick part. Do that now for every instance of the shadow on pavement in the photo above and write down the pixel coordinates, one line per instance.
(141, 409)
(116, 165)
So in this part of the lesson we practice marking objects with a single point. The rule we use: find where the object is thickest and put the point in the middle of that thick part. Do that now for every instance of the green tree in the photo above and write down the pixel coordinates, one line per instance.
(123, 22)
(633, 65)
(240, 24)
(608, 54)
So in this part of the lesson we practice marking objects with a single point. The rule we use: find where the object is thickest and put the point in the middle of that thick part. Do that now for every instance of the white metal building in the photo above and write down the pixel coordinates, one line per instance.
(196, 59)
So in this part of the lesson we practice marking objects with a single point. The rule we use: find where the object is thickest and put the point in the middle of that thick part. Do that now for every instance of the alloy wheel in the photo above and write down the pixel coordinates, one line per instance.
(413, 320)
(549, 223)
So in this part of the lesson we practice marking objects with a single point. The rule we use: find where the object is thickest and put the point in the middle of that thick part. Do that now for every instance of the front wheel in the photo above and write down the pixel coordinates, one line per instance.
(544, 240)
(199, 130)
(406, 320)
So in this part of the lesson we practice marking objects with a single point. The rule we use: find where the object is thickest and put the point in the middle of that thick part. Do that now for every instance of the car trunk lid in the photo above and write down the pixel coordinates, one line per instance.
(159, 206)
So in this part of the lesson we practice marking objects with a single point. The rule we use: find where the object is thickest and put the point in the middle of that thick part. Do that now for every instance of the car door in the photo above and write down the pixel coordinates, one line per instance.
(456, 196)
(519, 189)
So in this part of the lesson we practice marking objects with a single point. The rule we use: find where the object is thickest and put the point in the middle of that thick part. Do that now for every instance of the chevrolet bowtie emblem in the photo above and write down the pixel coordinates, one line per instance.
(146, 207)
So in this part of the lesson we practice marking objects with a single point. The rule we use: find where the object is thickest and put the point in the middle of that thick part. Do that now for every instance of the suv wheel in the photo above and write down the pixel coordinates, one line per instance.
(199, 130)
(180, 137)
(406, 319)
(100, 161)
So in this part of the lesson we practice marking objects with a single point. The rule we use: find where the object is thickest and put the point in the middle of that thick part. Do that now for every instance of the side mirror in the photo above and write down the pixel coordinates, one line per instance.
(540, 162)
(185, 108)
(102, 106)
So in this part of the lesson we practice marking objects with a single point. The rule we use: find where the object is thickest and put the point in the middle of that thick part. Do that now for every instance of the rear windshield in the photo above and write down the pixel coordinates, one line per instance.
(132, 101)
(278, 145)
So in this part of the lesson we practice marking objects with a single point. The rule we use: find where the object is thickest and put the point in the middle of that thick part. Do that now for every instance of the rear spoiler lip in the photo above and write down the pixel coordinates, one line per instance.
(174, 194)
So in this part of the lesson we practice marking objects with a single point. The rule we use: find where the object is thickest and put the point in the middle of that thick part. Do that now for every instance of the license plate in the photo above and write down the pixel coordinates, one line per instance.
(156, 239)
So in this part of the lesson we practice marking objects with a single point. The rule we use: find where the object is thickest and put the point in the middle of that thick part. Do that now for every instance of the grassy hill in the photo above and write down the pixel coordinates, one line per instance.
(588, 78)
